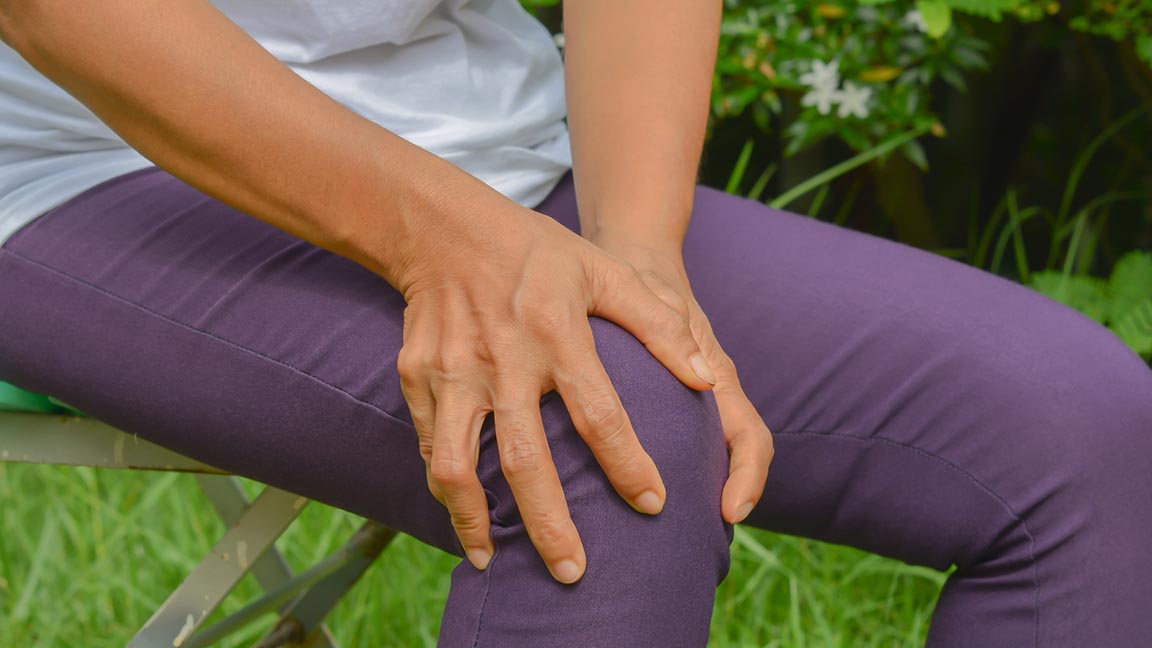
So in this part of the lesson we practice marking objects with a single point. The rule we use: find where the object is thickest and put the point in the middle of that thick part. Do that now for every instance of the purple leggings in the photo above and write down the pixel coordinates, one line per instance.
(922, 410)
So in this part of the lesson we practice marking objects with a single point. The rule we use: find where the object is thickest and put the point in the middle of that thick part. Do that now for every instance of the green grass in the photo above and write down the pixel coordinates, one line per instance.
(87, 555)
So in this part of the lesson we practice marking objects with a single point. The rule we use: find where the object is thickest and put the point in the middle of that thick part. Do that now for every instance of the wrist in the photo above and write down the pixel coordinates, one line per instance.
(658, 222)
(660, 255)
(408, 211)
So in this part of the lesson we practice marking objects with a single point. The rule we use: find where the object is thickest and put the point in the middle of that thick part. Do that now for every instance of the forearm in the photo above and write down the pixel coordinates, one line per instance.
(194, 93)
(639, 77)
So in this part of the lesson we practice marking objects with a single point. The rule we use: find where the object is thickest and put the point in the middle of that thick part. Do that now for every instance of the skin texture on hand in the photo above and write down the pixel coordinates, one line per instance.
(639, 76)
(483, 276)
(494, 322)
(748, 437)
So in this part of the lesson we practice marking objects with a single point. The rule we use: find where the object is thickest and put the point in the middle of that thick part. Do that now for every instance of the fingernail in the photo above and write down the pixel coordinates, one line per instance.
(479, 558)
(703, 369)
(743, 511)
(567, 571)
(649, 502)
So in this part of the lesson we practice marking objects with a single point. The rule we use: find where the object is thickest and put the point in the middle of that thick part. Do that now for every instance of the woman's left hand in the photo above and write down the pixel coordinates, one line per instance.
(748, 437)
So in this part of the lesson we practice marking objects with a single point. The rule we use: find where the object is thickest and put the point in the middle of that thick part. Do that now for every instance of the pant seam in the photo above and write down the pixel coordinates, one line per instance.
(189, 327)
(970, 477)
(484, 601)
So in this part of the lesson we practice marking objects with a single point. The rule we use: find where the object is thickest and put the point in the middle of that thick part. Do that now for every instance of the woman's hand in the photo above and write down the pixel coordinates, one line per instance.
(497, 316)
(749, 439)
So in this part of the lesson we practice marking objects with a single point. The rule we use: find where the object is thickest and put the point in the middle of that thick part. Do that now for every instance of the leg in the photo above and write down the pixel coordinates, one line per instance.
(155, 308)
(651, 581)
(932, 412)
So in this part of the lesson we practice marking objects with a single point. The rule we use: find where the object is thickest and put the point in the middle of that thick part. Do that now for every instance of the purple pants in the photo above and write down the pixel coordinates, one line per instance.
(922, 410)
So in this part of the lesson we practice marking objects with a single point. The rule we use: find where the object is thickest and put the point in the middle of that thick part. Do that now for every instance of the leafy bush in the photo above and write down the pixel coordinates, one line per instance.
(1123, 302)
(1125, 21)
(857, 70)
(863, 70)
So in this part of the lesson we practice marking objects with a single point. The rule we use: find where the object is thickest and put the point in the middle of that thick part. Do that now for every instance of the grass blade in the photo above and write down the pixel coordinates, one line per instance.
(830, 174)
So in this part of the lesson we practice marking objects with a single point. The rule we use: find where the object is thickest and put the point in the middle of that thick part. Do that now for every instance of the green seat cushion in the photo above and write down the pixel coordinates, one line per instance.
(14, 399)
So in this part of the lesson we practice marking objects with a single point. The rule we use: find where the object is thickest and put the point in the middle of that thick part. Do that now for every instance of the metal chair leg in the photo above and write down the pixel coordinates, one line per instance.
(301, 623)
(303, 601)
(232, 557)
(230, 502)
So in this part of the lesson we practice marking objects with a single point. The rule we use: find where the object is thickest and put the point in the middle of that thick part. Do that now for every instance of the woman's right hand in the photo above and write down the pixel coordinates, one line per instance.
(497, 316)
(498, 295)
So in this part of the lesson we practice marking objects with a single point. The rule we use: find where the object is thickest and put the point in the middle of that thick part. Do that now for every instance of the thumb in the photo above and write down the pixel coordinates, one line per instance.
(621, 296)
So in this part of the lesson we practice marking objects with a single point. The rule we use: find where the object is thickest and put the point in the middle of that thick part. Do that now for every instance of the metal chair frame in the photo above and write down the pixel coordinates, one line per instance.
(302, 600)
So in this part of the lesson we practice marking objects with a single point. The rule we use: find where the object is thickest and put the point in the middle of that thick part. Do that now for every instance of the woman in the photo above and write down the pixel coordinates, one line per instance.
(359, 239)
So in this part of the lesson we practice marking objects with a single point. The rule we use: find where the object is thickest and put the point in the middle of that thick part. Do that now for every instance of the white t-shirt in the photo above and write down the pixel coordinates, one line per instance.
(478, 82)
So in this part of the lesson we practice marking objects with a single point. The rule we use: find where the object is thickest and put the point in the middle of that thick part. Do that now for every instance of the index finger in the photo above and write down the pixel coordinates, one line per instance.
(527, 464)
(602, 422)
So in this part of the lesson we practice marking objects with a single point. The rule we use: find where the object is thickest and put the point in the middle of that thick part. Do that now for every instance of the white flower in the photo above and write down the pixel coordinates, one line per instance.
(853, 100)
(559, 40)
(822, 76)
(821, 96)
(915, 19)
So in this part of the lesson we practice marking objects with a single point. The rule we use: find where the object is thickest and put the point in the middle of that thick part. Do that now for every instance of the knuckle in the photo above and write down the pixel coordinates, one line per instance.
(722, 361)
(469, 522)
(521, 453)
(605, 417)
(768, 448)
(757, 446)
(410, 364)
(548, 321)
(551, 532)
(426, 450)
(449, 472)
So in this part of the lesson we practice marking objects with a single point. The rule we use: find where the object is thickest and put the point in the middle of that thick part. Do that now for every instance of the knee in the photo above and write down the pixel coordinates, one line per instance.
(680, 429)
(675, 558)
(1106, 414)
(1079, 407)
(1096, 397)
(678, 426)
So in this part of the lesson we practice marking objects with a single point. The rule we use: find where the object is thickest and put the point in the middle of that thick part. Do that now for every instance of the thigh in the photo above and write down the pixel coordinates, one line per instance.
(155, 308)
(871, 344)
(933, 412)
(170, 315)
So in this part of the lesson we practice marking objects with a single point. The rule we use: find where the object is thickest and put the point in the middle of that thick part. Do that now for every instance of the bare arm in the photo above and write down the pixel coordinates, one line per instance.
(486, 280)
(639, 75)
(195, 94)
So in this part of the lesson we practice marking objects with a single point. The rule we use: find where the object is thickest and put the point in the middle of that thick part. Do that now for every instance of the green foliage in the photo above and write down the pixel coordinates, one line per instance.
(1120, 20)
(1123, 303)
(1131, 313)
(1135, 328)
(87, 555)
(825, 177)
(992, 9)
(856, 70)
(1089, 295)
(937, 15)
(862, 71)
